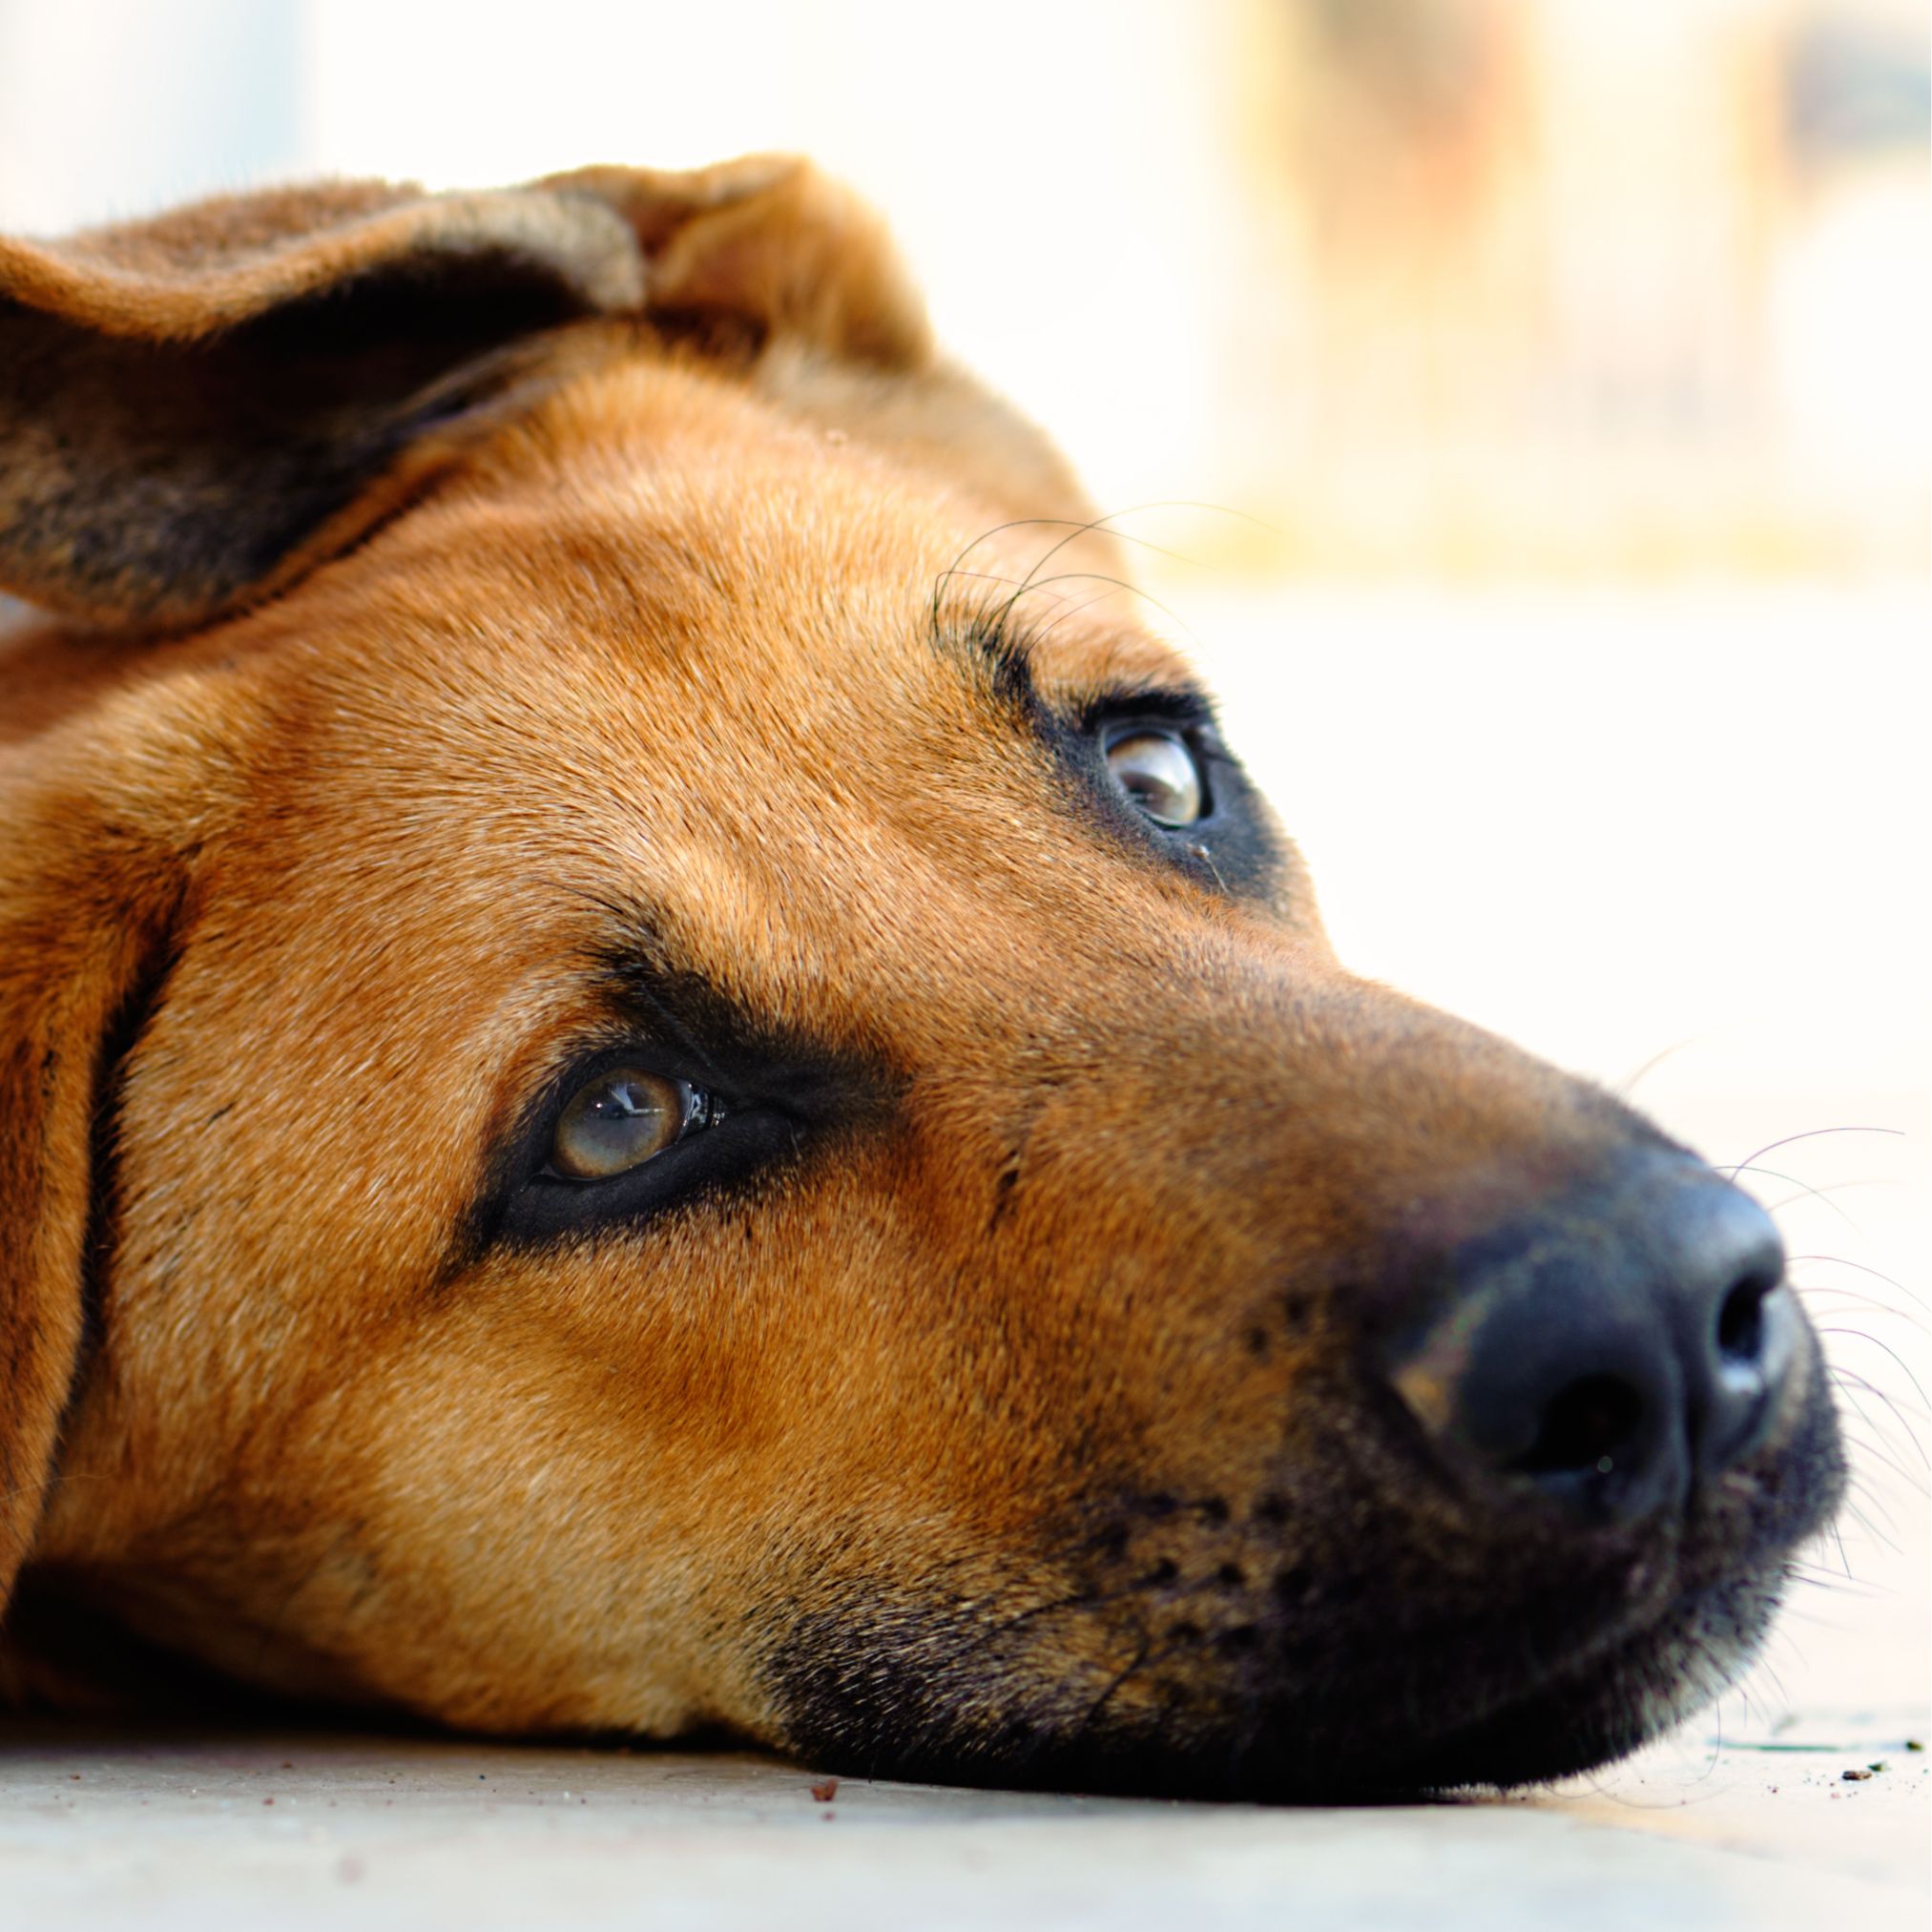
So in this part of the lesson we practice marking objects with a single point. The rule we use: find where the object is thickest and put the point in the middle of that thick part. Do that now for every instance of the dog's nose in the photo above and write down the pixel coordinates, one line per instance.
(1613, 1348)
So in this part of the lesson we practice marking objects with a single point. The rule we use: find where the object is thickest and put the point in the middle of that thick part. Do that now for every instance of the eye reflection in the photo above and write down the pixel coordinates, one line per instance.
(618, 1121)
(1158, 772)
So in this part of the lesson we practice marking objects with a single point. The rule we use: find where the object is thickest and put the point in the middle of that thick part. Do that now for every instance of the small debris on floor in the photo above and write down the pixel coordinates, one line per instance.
(1854, 1774)
(825, 1790)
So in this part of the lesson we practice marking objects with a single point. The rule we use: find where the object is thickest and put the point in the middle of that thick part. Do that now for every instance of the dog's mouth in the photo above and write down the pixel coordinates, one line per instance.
(1424, 1670)
(898, 1696)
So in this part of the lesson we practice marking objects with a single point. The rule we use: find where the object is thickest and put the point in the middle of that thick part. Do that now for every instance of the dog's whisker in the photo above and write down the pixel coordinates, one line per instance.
(1897, 1406)
(1081, 1600)
(1861, 1494)
(1805, 1193)
(1167, 611)
(1073, 611)
(1075, 528)
(1862, 1522)
(1818, 1577)
(1847, 1386)
(1810, 1134)
(1108, 525)
(1842, 1261)
(984, 536)
(1844, 1560)
(1771, 1671)
(1207, 858)
(1886, 1428)
(1872, 1453)
(1100, 1703)
(1885, 1348)
(1072, 536)
(1626, 1087)
(989, 577)
(1825, 1298)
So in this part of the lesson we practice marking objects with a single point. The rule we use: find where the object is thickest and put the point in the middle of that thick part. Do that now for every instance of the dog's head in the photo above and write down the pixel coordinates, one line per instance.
(651, 1079)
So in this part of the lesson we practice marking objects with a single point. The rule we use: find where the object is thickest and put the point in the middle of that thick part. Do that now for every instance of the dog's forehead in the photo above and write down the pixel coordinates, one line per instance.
(784, 659)
(700, 557)
(812, 565)
(749, 697)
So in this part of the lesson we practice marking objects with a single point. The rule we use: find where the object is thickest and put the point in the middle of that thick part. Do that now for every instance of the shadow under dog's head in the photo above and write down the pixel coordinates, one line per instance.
(652, 1080)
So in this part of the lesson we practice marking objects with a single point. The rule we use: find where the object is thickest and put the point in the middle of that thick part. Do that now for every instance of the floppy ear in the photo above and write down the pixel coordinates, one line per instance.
(87, 902)
(767, 247)
(195, 409)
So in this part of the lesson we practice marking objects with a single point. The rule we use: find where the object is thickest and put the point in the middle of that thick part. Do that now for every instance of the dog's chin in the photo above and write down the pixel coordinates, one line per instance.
(1575, 1721)
(1344, 1739)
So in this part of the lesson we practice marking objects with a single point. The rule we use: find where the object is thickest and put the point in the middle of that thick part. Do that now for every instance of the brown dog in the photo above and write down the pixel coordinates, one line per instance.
(646, 1089)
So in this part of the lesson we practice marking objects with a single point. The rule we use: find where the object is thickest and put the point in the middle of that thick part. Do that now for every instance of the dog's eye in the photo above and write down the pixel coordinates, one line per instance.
(620, 1119)
(1158, 772)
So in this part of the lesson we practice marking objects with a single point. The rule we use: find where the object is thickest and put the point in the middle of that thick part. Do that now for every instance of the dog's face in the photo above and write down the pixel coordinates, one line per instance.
(679, 1089)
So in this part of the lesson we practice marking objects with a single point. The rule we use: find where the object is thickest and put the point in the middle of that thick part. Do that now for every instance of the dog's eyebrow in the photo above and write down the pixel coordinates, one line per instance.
(1238, 849)
(655, 982)
(997, 651)
(661, 1003)
(687, 1010)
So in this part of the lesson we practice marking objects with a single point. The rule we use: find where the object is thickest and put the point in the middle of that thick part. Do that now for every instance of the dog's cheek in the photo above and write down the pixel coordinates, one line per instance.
(498, 1551)
(568, 1498)
(536, 1507)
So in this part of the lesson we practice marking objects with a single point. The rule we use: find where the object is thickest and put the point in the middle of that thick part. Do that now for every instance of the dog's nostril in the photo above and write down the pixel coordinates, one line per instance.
(1231, 1575)
(1624, 1341)
(1584, 1426)
(1740, 1322)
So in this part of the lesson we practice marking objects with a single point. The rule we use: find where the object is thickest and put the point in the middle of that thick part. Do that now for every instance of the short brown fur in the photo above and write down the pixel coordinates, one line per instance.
(504, 588)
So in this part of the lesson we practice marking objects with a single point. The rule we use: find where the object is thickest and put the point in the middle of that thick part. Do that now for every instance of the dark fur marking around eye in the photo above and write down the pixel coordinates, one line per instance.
(785, 1100)
(1001, 653)
(1232, 849)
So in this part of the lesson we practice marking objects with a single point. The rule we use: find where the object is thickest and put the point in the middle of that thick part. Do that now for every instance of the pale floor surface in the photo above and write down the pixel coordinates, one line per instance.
(299, 1830)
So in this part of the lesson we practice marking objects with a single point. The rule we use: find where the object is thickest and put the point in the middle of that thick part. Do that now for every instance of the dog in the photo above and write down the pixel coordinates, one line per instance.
(653, 1086)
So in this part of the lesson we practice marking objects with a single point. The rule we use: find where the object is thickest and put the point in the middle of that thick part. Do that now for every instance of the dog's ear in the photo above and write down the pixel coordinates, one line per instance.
(195, 409)
(762, 248)
(90, 895)
(190, 407)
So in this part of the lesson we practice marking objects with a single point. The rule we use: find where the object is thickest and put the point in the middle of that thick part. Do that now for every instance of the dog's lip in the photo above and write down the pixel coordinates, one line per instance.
(1587, 1708)
(1595, 1705)
(1545, 1683)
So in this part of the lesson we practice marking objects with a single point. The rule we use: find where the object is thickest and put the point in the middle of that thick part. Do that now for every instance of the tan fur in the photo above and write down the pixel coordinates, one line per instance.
(341, 867)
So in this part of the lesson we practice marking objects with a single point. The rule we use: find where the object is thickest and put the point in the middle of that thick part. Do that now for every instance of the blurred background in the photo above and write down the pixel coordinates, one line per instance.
(1521, 408)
